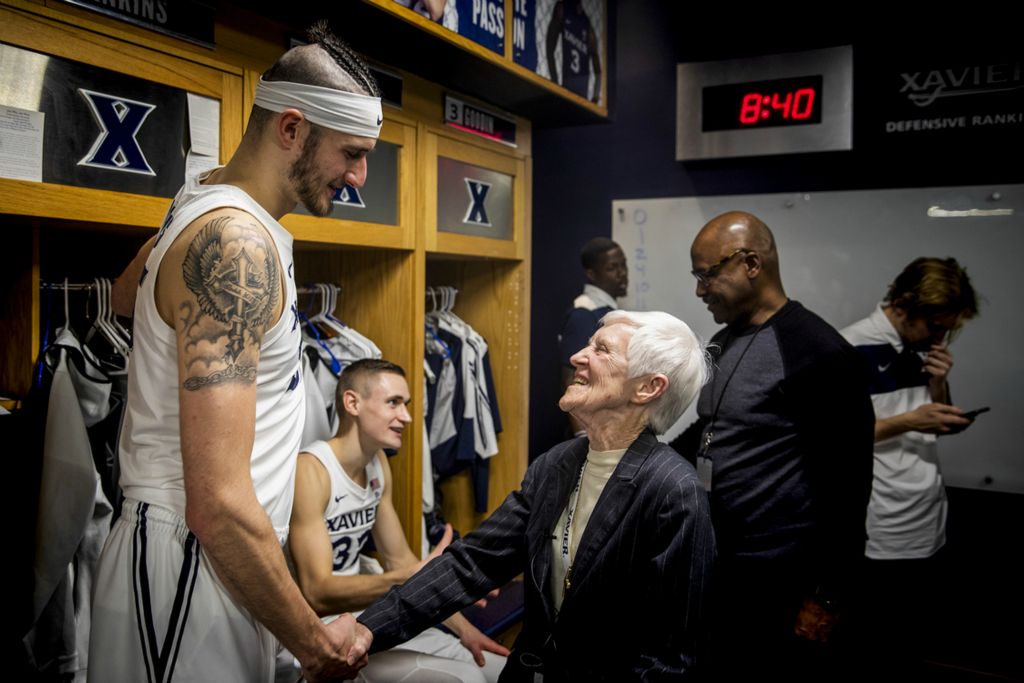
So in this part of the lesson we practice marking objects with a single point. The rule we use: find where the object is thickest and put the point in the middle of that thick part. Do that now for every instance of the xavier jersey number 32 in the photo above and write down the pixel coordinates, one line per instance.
(351, 510)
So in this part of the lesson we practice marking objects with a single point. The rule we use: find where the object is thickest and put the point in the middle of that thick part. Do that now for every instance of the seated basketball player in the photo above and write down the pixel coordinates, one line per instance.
(342, 498)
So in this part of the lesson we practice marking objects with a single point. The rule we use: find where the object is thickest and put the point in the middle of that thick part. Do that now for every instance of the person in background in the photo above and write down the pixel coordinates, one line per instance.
(783, 446)
(905, 343)
(604, 266)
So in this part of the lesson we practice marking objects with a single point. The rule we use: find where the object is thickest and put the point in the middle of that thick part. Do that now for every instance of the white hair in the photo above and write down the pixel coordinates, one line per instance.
(665, 344)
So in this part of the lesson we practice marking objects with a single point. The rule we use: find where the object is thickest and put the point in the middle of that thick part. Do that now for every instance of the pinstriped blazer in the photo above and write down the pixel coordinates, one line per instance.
(641, 573)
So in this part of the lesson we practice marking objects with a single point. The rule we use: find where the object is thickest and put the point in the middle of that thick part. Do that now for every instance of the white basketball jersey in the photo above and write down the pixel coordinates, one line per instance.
(150, 446)
(351, 510)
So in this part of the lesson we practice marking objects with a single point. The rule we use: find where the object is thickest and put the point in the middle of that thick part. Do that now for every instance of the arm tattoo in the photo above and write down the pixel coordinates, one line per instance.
(245, 374)
(232, 271)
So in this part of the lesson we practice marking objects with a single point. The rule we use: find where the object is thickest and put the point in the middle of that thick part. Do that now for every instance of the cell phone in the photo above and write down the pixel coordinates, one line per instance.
(971, 414)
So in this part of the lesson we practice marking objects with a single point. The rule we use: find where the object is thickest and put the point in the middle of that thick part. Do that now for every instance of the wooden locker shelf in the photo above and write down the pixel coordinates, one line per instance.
(383, 269)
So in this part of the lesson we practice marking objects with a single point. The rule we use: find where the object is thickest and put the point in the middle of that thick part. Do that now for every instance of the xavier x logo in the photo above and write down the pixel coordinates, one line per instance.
(477, 213)
(349, 196)
(119, 119)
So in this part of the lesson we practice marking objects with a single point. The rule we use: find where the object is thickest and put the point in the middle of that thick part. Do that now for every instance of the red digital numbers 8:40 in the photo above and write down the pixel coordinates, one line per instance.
(791, 106)
(749, 105)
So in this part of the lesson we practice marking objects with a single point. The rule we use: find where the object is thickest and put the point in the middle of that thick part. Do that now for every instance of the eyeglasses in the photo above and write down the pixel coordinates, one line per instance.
(704, 277)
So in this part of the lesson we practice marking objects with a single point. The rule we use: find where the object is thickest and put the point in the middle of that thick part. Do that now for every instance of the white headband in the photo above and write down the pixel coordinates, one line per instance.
(342, 111)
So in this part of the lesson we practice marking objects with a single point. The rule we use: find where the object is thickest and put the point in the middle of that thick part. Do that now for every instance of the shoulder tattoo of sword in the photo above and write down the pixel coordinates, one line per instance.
(232, 270)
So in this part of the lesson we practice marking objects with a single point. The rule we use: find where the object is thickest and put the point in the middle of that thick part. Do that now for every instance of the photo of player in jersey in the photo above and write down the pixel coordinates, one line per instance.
(482, 21)
(431, 9)
(561, 40)
(579, 68)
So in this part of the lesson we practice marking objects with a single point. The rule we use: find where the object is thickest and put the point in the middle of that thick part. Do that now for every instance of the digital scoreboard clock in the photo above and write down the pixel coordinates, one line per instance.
(782, 102)
(779, 104)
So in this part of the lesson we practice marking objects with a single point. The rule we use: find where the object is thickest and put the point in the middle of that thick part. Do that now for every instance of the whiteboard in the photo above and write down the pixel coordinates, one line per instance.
(838, 252)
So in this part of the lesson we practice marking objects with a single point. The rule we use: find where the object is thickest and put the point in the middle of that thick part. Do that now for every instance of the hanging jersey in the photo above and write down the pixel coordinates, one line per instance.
(351, 509)
(74, 514)
(150, 449)
(321, 421)
(440, 389)
(576, 37)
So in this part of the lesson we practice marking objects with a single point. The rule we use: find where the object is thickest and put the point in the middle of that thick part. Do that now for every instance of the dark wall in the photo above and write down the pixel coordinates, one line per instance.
(579, 171)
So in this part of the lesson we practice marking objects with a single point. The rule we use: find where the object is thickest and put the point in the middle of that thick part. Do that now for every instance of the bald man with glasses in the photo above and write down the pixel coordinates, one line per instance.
(783, 445)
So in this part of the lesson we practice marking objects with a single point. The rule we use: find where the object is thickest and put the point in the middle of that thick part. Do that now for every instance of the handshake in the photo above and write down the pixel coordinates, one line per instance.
(348, 645)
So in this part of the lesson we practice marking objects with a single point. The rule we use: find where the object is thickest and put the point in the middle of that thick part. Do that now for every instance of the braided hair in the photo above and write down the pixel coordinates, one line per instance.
(326, 62)
(343, 56)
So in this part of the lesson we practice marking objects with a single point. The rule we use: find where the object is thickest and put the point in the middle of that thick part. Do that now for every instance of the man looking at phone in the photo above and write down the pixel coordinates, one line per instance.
(906, 345)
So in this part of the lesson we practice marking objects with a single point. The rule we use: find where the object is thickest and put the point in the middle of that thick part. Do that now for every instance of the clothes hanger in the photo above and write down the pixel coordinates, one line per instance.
(434, 343)
(316, 304)
(125, 334)
(448, 309)
(104, 314)
(325, 318)
(452, 294)
(432, 313)
(99, 322)
(46, 326)
(315, 336)
(332, 305)
(326, 328)
(437, 316)
(332, 330)
(355, 344)
(102, 317)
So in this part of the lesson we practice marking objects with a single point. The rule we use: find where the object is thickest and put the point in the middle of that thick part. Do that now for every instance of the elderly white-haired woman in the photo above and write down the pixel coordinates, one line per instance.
(611, 531)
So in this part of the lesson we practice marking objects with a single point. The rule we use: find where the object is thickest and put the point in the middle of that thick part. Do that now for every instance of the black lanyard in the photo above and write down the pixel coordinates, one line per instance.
(714, 415)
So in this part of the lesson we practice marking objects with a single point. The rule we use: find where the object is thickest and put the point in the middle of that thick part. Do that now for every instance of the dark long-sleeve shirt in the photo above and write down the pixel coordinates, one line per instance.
(791, 428)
